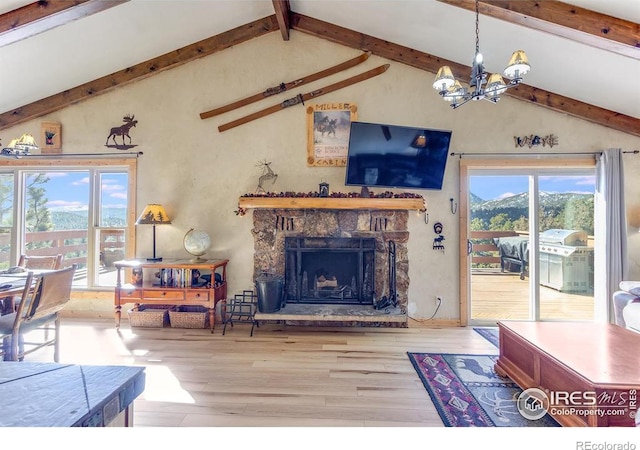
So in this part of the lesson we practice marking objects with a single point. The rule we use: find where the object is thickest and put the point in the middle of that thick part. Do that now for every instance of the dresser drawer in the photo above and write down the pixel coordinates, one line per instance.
(198, 296)
(130, 294)
(163, 294)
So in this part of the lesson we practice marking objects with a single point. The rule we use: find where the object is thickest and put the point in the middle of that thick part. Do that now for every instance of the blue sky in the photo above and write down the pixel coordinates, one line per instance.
(71, 190)
(497, 187)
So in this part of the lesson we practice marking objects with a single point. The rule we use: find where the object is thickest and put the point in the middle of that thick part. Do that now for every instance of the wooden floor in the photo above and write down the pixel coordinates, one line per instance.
(283, 376)
(504, 296)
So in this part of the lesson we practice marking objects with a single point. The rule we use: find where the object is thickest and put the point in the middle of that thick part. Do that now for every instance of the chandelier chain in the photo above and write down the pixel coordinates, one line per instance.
(477, 28)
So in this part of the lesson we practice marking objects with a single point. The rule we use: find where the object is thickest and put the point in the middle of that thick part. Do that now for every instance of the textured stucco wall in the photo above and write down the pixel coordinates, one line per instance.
(198, 173)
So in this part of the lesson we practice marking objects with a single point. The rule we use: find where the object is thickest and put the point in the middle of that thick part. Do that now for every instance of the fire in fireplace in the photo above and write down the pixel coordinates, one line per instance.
(330, 270)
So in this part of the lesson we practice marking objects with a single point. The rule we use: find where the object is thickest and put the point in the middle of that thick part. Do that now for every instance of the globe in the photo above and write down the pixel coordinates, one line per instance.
(196, 243)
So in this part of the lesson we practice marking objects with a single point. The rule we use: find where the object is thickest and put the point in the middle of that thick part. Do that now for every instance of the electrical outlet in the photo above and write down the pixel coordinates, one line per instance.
(438, 299)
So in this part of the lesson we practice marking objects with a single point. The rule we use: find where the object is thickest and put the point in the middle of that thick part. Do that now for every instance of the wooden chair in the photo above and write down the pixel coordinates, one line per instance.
(40, 262)
(9, 304)
(43, 298)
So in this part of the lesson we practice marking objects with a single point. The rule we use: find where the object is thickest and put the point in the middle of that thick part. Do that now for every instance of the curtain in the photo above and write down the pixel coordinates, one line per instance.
(611, 265)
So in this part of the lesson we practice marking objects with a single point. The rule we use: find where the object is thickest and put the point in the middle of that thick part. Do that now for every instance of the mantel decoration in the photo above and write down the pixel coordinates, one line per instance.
(51, 137)
(266, 175)
(451, 90)
(323, 189)
(297, 198)
(328, 127)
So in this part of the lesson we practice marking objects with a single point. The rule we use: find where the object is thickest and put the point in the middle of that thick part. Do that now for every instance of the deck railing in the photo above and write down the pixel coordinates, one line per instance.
(71, 244)
(484, 251)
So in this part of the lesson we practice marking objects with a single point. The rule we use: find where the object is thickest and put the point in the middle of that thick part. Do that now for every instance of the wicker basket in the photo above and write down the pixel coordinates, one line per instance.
(152, 316)
(189, 317)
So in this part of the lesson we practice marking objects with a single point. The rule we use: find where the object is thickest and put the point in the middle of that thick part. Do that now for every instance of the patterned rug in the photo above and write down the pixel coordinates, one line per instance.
(468, 393)
(490, 334)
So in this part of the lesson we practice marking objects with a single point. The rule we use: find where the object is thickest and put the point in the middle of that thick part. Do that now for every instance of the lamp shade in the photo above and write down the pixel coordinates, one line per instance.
(495, 86)
(455, 93)
(25, 142)
(518, 65)
(153, 214)
(444, 79)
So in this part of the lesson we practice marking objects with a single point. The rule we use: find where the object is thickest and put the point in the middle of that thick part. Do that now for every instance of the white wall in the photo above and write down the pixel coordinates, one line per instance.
(198, 173)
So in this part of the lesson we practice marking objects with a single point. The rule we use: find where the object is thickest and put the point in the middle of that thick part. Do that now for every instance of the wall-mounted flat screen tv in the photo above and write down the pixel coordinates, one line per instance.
(396, 156)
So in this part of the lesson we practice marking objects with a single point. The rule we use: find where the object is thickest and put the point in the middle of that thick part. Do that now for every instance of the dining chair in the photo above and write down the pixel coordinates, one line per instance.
(26, 262)
(43, 297)
(53, 262)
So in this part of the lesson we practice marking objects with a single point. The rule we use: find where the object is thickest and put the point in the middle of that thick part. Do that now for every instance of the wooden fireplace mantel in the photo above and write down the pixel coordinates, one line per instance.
(331, 203)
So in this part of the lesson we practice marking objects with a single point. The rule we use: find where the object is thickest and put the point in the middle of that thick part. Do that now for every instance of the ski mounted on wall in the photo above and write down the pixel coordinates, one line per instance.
(286, 86)
(301, 98)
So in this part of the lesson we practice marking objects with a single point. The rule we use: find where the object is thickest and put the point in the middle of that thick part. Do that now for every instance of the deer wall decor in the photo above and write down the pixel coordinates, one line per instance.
(267, 174)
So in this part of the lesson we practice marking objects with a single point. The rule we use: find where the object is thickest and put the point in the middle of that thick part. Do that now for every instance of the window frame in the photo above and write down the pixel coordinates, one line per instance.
(95, 167)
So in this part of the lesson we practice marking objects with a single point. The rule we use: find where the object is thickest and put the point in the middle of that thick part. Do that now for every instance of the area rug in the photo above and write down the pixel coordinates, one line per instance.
(490, 334)
(468, 393)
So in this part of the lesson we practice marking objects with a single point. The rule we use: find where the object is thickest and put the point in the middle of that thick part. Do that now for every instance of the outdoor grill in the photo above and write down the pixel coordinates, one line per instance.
(566, 261)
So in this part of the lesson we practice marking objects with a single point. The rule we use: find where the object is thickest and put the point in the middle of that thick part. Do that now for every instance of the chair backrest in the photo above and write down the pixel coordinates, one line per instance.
(40, 262)
(50, 294)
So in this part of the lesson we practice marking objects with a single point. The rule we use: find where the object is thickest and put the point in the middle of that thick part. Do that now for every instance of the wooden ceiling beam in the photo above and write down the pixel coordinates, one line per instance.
(44, 15)
(140, 71)
(430, 63)
(283, 10)
(564, 20)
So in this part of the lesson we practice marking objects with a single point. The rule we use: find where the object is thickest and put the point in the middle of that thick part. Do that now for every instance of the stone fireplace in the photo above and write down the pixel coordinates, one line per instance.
(359, 236)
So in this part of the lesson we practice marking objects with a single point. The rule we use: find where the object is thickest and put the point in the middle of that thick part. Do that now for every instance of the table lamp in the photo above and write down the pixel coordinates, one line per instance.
(153, 214)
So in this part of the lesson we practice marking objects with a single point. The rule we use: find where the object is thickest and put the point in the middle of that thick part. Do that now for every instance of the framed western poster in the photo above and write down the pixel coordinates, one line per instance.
(328, 126)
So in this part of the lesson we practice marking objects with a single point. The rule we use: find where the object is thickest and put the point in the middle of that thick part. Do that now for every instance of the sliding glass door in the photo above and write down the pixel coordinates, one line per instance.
(530, 252)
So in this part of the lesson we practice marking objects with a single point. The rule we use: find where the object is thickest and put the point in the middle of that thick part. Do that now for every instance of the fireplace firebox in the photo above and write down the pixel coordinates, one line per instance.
(330, 270)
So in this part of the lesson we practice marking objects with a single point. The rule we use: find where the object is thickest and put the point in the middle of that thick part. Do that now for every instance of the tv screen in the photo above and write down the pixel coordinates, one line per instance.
(395, 156)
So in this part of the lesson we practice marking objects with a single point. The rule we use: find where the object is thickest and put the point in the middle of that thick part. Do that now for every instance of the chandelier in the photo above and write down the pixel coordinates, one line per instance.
(452, 91)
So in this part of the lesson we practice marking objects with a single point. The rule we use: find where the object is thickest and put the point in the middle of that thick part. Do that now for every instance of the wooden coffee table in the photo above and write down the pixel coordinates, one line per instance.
(598, 365)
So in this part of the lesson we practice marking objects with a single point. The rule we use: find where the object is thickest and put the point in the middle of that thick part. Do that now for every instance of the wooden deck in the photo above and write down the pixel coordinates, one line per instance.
(504, 296)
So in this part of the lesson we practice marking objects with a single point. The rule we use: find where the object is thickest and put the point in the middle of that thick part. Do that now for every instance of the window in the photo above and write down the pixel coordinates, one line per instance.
(82, 211)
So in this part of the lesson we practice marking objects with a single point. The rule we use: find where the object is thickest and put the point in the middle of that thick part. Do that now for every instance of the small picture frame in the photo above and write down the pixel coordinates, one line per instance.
(328, 128)
(51, 137)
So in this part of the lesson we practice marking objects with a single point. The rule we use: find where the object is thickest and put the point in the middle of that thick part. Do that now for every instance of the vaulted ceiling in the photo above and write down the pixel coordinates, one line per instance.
(585, 54)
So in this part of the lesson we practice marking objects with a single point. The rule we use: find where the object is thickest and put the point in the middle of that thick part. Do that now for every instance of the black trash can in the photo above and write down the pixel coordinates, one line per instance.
(270, 290)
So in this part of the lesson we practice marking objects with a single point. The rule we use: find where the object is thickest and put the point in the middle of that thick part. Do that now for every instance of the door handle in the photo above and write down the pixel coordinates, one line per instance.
(469, 247)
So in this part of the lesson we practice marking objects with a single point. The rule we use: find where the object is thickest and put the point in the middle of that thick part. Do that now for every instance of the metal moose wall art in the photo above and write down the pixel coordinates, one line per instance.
(123, 132)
